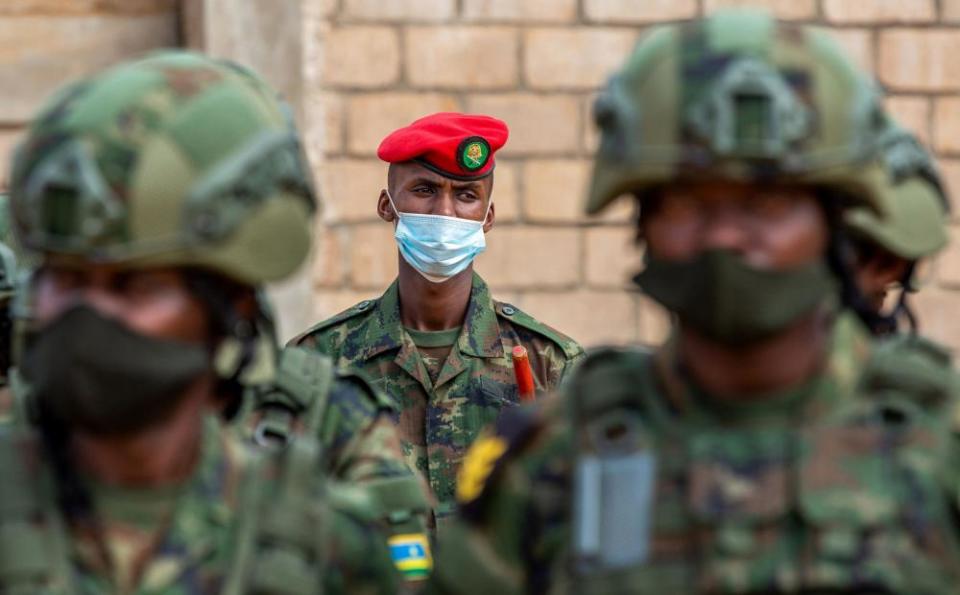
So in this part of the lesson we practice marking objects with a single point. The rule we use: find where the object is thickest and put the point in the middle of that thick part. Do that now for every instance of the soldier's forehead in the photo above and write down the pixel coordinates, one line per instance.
(411, 171)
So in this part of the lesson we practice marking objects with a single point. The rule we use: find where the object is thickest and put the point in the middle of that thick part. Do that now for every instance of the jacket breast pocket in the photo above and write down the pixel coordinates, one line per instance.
(498, 394)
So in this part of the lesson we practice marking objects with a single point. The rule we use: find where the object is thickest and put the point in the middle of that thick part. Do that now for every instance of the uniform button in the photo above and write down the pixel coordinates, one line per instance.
(363, 305)
(509, 310)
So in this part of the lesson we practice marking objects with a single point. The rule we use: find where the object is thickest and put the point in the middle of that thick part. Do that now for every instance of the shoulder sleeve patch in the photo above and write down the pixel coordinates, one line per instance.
(570, 348)
(477, 466)
(353, 311)
(512, 431)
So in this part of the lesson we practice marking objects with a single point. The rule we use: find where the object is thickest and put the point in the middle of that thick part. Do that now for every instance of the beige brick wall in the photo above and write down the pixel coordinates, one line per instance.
(537, 64)
(370, 66)
(45, 43)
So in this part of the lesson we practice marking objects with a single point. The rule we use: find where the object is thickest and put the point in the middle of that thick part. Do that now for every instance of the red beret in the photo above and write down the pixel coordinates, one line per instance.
(459, 146)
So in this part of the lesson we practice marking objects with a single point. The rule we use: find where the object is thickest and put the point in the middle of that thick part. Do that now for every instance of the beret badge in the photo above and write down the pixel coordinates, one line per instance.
(473, 153)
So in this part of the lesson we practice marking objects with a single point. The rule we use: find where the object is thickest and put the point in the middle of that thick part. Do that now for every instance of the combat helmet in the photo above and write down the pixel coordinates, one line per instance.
(175, 159)
(913, 223)
(739, 96)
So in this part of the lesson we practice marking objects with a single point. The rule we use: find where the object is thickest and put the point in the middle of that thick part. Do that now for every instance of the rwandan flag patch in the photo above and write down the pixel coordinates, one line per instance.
(411, 555)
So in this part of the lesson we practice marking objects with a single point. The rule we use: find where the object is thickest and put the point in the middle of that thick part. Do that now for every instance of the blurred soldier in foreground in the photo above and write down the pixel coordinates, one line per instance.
(763, 448)
(158, 196)
(8, 280)
(436, 341)
(913, 227)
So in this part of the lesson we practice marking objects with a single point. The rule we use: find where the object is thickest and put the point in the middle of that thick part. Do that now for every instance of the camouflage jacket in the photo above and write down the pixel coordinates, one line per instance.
(360, 444)
(634, 483)
(242, 523)
(355, 421)
(438, 421)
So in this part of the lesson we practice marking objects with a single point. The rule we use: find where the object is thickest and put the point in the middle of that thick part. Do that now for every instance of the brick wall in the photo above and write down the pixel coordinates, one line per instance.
(537, 64)
(370, 66)
(45, 43)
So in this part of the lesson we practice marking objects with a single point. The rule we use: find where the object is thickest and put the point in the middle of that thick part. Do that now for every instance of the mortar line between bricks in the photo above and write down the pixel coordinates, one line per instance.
(930, 106)
(642, 26)
(521, 53)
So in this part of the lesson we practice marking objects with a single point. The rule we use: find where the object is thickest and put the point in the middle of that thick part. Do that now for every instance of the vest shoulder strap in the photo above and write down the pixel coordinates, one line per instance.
(609, 378)
(33, 539)
(299, 395)
(281, 528)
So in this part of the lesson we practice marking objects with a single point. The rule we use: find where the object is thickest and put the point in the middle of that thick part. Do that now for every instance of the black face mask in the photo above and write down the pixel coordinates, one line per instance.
(720, 295)
(93, 373)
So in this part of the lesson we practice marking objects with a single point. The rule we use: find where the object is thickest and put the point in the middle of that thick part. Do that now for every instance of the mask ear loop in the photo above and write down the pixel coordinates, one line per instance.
(393, 206)
(487, 212)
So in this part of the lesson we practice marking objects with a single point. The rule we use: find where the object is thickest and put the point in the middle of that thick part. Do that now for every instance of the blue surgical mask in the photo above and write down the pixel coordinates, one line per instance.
(438, 247)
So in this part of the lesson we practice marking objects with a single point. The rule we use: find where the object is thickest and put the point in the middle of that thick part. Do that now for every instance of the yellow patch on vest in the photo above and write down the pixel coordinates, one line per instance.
(477, 466)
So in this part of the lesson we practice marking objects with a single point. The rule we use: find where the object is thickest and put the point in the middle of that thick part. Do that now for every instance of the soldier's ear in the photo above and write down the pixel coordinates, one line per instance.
(384, 209)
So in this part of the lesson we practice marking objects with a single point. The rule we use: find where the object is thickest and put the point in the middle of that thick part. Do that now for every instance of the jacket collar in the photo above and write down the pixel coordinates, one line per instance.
(383, 329)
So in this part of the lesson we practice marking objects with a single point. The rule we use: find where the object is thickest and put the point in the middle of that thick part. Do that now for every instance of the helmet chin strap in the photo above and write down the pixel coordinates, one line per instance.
(241, 338)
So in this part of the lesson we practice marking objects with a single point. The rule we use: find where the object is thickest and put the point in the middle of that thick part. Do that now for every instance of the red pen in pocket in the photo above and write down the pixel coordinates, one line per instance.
(524, 374)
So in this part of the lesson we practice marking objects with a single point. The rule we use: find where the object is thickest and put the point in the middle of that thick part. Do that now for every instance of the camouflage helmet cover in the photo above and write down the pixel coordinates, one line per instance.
(915, 208)
(738, 96)
(175, 159)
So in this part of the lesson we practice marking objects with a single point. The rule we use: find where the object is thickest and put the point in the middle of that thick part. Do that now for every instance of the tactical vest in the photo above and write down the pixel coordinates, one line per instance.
(280, 532)
(847, 500)
(296, 405)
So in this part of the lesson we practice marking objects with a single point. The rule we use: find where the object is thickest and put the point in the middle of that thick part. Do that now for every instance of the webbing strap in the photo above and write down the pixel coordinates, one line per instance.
(279, 548)
(303, 382)
(245, 539)
(33, 554)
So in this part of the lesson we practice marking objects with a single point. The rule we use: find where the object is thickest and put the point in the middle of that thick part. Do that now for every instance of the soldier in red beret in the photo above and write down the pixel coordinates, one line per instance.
(436, 341)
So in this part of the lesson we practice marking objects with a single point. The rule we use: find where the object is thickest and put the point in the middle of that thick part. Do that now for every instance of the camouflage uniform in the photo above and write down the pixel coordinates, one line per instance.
(438, 420)
(361, 446)
(808, 491)
(8, 281)
(207, 525)
(181, 161)
(639, 481)
(355, 427)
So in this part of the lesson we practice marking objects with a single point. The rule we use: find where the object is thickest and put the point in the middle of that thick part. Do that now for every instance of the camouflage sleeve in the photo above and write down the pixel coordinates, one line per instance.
(366, 452)
(360, 436)
(568, 367)
(358, 559)
(505, 537)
